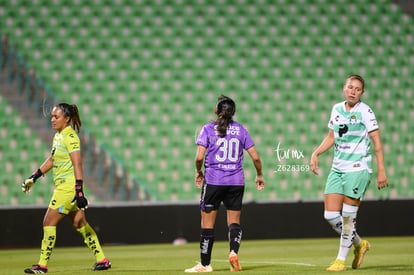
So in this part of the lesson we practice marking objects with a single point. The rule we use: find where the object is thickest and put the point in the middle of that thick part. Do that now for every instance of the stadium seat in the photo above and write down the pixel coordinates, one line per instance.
(146, 76)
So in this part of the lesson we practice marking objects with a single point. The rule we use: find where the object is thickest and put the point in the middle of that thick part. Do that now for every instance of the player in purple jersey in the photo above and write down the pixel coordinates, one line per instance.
(220, 146)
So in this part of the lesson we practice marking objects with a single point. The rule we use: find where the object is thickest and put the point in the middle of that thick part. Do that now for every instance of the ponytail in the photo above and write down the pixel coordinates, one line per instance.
(226, 108)
(72, 112)
(75, 120)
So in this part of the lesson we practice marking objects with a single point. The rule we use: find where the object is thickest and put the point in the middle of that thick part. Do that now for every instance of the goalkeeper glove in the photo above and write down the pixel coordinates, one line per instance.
(80, 198)
(28, 183)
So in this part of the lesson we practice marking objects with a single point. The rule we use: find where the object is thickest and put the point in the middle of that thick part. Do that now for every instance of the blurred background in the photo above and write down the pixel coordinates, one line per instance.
(146, 76)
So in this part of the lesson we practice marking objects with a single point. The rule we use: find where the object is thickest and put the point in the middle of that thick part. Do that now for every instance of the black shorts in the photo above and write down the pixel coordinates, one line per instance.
(213, 195)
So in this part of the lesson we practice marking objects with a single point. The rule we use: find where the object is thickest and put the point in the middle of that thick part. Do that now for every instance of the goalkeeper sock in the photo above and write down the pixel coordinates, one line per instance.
(335, 220)
(235, 235)
(206, 245)
(48, 243)
(349, 213)
(91, 240)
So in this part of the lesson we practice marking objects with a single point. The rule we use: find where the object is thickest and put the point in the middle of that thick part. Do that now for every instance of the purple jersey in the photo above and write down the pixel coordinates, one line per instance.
(224, 155)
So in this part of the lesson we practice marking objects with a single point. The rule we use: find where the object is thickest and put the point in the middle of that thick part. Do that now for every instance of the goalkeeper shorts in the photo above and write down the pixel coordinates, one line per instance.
(62, 201)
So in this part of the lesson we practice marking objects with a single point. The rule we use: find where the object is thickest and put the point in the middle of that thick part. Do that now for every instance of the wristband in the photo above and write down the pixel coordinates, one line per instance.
(36, 174)
(79, 188)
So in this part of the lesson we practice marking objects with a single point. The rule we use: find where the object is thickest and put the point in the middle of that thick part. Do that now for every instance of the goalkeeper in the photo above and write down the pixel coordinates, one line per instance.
(68, 197)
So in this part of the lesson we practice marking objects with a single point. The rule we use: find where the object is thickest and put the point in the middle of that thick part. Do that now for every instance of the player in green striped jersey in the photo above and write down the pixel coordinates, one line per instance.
(352, 129)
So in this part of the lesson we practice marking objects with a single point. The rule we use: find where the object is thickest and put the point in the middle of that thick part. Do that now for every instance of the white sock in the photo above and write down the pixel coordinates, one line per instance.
(349, 214)
(357, 239)
(334, 219)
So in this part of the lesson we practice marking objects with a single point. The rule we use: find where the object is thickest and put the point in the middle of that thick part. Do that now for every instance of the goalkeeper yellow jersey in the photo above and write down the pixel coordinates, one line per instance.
(64, 143)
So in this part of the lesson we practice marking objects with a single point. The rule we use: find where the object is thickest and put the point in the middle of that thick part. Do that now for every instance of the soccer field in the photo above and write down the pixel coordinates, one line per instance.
(388, 255)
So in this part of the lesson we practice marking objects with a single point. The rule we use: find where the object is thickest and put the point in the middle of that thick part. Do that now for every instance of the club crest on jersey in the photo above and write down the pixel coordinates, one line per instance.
(353, 120)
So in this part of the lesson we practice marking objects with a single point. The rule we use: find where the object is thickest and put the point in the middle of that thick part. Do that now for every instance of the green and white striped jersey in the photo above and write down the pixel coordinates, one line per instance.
(352, 142)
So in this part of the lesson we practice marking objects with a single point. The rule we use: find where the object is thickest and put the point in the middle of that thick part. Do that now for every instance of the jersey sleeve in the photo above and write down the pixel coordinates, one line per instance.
(370, 121)
(72, 143)
(331, 119)
(202, 138)
(248, 141)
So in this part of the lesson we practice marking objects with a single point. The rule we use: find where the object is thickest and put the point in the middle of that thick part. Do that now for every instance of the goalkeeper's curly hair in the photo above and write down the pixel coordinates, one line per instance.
(71, 111)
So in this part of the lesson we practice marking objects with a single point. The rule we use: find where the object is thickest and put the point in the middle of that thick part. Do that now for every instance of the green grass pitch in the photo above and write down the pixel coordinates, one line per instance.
(388, 255)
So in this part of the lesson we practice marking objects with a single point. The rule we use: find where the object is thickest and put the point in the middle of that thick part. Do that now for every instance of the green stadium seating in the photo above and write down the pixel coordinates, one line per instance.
(146, 76)
(21, 153)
